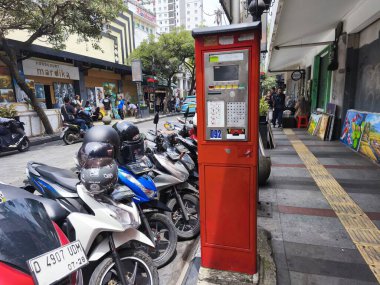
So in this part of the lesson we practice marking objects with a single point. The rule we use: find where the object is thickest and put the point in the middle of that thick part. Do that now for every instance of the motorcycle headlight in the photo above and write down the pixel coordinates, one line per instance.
(127, 216)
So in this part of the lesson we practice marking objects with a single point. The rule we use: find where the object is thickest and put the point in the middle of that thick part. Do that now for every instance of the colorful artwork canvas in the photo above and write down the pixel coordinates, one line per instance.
(324, 121)
(62, 90)
(99, 95)
(352, 129)
(313, 124)
(370, 139)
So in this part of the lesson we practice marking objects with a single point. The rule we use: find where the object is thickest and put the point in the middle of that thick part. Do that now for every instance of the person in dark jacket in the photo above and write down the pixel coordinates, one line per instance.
(278, 107)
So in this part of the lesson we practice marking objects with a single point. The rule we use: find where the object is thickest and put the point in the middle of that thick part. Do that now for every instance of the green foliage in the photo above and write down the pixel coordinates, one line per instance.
(263, 107)
(268, 83)
(164, 55)
(8, 111)
(57, 19)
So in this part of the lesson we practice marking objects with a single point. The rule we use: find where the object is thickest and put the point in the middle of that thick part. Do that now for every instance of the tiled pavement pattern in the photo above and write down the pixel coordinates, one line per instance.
(311, 246)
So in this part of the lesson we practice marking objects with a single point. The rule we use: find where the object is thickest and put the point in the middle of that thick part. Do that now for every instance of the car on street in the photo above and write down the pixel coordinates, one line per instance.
(191, 102)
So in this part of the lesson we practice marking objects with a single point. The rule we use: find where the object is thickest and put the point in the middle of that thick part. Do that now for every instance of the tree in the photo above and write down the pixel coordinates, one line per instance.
(164, 56)
(268, 83)
(54, 21)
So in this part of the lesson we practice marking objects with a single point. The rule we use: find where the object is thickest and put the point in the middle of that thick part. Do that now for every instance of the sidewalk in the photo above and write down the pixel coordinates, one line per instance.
(310, 243)
(38, 140)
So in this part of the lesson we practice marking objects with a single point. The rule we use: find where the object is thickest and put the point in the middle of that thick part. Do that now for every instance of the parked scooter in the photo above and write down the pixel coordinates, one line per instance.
(33, 247)
(71, 133)
(157, 226)
(14, 137)
(105, 225)
(174, 190)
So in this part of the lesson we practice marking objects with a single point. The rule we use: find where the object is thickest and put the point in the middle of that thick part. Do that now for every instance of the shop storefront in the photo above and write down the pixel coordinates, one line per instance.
(52, 81)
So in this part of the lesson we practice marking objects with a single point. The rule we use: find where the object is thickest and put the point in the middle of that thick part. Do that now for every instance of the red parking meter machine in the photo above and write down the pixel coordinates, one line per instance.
(227, 76)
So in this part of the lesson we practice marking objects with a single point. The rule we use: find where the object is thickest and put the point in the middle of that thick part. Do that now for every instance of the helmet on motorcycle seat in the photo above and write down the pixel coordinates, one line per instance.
(132, 143)
(103, 134)
(128, 132)
(98, 172)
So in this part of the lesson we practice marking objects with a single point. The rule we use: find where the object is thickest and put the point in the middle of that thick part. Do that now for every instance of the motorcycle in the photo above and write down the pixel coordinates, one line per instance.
(105, 225)
(15, 139)
(156, 225)
(34, 248)
(71, 132)
(61, 184)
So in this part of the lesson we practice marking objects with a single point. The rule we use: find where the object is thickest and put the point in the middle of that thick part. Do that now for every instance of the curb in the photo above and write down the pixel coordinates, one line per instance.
(38, 140)
(43, 139)
(189, 263)
(266, 267)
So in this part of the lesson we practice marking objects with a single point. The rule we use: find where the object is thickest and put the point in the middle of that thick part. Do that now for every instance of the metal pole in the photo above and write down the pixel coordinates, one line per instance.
(235, 5)
(139, 98)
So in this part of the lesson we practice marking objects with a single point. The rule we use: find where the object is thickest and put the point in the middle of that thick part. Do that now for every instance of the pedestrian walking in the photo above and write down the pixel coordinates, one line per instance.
(269, 100)
(279, 106)
(177, 104)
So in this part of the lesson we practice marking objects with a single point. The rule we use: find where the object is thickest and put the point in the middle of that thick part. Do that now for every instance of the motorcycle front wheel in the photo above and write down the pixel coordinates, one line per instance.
(185, 229)
(138, 269)
(165, 239)
(70, 137)
(24, 145)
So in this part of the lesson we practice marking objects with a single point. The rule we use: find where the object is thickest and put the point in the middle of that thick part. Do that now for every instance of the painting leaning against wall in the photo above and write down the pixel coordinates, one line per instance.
(370, 139)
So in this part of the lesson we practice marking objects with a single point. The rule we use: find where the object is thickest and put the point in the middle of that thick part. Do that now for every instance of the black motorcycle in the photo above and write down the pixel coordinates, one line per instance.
(71, 132)
(14, 137)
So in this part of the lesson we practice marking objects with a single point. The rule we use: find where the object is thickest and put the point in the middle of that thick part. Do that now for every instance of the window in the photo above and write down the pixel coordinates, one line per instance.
(160, 22)
(188, 19)
(196, 18)
(195, 11)
(188, 5)
(188, 12)
(195, 4)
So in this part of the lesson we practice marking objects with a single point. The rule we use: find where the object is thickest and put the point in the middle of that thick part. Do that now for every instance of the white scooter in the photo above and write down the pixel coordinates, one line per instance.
(108, 236)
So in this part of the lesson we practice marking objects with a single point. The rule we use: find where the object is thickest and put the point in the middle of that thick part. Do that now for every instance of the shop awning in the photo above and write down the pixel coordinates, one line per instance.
(300, 22)
(88, 62)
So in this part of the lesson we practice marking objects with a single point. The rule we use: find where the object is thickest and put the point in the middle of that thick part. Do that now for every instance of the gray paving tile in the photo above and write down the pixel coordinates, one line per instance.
(368, 202)
(299, 278)
(323, 252)
(360, 174)
(307, 198)
(324, 231)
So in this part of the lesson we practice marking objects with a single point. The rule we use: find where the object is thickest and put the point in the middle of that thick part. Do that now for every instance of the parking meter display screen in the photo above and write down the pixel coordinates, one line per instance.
(226, 73)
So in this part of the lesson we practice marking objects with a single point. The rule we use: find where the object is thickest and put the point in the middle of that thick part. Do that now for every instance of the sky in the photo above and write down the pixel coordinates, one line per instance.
(209, 6)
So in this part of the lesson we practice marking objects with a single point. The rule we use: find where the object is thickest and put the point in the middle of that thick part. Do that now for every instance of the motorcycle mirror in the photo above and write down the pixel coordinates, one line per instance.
(156, 118)
(187, 112)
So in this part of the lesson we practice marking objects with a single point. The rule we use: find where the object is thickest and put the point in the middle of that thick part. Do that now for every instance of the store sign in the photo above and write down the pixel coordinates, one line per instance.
(42, 68)
(141, 12)
(136, 71)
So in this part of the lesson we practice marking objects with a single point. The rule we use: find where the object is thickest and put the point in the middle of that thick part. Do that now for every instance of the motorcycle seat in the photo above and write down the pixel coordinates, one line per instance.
(54, 210)
(63, 177)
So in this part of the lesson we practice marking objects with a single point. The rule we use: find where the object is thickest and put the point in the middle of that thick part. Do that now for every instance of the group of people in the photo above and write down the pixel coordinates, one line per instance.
(278, 102)
(168, 106)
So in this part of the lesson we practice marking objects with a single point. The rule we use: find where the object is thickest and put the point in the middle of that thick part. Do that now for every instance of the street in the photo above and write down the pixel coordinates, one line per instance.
(12, 171)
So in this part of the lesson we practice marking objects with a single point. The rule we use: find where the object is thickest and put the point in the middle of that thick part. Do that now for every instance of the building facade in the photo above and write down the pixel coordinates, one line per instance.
(78, 69)
(175, 13)
(144, 21)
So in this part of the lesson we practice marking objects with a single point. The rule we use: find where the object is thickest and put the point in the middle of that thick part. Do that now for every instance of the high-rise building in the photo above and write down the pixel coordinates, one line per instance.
(175, 13)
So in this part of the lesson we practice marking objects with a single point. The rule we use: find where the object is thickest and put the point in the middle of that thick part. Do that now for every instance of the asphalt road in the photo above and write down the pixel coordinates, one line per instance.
(12, 171)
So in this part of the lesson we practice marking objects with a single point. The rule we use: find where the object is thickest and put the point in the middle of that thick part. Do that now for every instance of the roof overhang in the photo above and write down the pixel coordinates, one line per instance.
(302, 26)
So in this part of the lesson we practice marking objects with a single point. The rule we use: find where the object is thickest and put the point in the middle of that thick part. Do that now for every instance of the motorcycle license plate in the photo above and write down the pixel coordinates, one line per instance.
(58, 263)
(63, 132)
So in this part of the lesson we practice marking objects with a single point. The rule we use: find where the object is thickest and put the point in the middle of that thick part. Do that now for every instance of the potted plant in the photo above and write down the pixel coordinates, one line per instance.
(263, 124)
(263, 109)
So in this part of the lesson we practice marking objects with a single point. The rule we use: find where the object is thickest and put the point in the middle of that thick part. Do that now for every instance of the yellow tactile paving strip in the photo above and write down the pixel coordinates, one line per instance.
(363, 232)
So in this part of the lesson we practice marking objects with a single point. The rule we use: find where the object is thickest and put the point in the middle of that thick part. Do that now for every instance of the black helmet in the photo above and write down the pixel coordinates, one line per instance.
(132, 143)
(127, 131)
(98, 171)
(103, 134)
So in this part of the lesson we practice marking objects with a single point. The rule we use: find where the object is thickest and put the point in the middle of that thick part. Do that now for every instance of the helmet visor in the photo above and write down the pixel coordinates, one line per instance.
(94, 155)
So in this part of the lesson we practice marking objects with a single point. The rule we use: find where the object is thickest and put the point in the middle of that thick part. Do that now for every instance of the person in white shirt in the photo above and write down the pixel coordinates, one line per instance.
(132, 108)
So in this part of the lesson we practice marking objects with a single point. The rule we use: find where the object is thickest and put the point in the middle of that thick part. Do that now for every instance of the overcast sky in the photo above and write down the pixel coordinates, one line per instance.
(209, 7)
